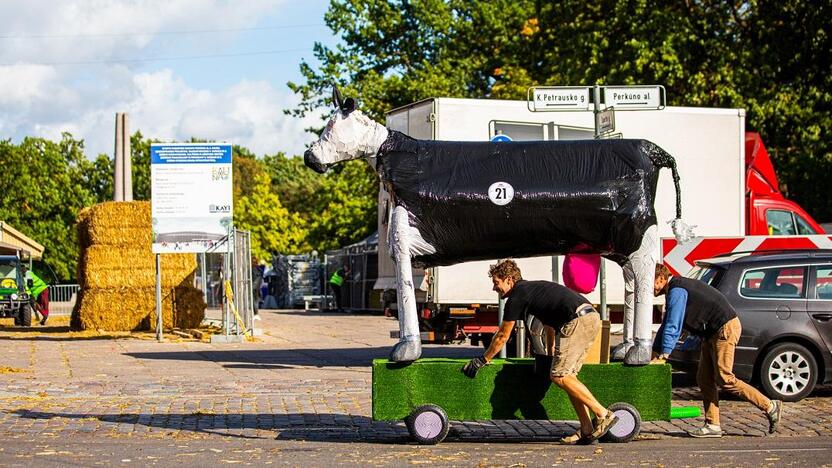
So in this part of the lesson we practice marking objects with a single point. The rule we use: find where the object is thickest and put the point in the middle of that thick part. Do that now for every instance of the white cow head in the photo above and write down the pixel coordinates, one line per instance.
(348, 135)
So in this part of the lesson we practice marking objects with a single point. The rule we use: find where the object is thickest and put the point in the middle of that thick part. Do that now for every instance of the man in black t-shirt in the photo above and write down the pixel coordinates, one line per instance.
(577, 324)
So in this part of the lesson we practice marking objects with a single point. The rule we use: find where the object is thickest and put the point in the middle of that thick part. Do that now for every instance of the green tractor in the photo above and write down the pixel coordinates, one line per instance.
(14, 298)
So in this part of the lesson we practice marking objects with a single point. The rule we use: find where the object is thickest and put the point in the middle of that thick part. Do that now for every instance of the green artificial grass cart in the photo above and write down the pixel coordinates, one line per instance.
(427, 393)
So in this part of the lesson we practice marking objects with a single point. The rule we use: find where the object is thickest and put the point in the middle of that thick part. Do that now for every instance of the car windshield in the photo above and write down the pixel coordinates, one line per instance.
(7, 267)
(707, 273)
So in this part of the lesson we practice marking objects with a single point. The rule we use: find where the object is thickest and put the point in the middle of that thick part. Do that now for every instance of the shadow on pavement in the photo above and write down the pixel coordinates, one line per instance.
(341, 428)
(303, 426)
(302, 356)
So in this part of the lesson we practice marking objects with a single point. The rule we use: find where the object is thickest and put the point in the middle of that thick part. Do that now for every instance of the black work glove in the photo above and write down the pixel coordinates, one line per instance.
(473, 366)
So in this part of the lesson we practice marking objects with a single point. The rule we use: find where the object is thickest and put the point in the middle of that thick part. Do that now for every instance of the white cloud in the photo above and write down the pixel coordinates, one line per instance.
(42, 96)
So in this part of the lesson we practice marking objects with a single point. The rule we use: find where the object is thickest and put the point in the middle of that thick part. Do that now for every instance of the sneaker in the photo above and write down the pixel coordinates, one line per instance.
(603, 425)
(578, 439)
(43, 322)
(774, 415)
(706, 431)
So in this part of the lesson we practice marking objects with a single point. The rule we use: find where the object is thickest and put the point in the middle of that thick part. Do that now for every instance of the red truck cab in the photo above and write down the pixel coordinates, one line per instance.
(768, 212)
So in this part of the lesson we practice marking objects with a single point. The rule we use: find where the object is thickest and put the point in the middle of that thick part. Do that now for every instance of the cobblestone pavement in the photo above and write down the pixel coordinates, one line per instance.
(307, 379)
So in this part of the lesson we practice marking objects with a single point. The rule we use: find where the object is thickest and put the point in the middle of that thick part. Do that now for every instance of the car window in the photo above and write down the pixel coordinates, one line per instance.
(780, 223)
(707, 274)
(777, 282)
(823, 281)
(803, 226)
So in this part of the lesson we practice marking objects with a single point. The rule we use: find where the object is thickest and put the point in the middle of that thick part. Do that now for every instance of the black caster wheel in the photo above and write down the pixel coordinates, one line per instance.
(628, 425)
(427, 424)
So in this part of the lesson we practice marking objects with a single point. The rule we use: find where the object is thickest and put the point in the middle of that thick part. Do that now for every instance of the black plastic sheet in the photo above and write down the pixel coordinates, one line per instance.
(592, 195)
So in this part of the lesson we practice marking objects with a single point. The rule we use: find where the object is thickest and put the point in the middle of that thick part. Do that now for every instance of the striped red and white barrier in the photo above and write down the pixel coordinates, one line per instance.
(680, 258)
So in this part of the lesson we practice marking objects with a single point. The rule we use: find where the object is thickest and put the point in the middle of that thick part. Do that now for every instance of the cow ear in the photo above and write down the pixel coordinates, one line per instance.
(348, 106)
(337, 101)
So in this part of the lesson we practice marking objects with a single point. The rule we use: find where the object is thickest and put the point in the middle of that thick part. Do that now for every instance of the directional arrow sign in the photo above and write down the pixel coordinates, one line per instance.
(634, 97)
(560, 98)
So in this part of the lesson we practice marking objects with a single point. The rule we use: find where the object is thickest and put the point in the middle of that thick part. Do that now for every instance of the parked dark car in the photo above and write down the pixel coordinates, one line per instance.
(784, 302)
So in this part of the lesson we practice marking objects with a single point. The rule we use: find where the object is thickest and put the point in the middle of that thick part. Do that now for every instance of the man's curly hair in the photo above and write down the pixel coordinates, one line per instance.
(662, 271)
(505, 270)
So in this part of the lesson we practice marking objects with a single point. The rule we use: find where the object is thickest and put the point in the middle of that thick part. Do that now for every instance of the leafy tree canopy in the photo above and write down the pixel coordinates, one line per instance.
(771, 58)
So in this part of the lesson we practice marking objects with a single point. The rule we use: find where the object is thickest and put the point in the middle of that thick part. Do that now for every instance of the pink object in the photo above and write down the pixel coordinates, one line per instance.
(580, 271)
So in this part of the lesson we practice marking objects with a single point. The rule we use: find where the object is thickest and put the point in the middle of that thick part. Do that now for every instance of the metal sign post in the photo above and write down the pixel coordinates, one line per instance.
(620, 98)
(159, 297)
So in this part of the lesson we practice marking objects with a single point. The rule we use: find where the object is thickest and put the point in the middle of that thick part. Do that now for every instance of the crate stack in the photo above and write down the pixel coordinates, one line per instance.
(117, 273)
(304, 278)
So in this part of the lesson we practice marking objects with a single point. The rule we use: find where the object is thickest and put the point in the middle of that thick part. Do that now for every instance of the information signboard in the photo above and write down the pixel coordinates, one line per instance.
(191, 195)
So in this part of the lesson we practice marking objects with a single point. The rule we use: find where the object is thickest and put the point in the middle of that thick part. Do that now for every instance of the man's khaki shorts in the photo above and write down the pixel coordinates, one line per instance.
(575, 338)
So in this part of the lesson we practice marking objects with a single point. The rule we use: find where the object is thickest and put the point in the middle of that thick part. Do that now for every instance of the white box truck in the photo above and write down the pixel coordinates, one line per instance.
(709, 148)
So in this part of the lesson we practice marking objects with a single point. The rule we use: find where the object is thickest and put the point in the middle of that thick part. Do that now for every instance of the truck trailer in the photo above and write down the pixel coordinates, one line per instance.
(729, 188)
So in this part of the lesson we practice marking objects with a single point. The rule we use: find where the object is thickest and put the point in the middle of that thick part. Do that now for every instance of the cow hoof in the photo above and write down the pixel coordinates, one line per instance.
(620, 351)
(406, 351)
(638, 355)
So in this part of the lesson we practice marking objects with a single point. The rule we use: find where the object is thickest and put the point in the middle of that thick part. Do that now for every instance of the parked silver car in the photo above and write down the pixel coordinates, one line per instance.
(784, 302)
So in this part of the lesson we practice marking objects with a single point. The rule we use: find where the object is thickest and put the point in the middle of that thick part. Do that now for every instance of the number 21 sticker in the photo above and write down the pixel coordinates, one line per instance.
(500, 193)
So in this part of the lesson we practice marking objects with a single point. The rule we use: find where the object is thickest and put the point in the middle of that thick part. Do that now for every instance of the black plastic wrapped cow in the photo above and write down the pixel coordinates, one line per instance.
(460, 201)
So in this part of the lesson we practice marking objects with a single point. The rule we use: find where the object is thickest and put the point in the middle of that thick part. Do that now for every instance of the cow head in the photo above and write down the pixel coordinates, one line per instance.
(348, 135)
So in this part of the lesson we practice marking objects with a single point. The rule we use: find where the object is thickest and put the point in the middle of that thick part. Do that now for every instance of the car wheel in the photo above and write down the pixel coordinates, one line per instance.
(428, 424)
(26, 316)
(788, 372)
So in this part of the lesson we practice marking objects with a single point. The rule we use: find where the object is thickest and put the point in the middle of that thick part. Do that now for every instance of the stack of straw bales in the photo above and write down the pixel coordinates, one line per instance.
(117, 273)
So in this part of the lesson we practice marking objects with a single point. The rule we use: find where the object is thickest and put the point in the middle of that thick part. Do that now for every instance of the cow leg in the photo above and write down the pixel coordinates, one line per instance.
(620, 351)
(643, 263)
(409, 347)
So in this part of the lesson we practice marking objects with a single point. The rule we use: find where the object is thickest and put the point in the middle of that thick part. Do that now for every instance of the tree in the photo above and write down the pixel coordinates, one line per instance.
(43, 187)
(349, 201)
(300, 188)
(273, 228)
(771, 58)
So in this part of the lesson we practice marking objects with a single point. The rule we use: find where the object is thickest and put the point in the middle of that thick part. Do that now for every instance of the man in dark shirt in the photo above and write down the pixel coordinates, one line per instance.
(577, 324)
(703, 311)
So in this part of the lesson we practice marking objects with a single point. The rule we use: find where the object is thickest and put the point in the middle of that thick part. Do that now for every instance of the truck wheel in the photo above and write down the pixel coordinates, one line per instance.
(428, 424)
(788, 372)
(628, 425)
(25, 315)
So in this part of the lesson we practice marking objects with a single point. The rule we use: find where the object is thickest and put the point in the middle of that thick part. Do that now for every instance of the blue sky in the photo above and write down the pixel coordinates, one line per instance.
(212, 69)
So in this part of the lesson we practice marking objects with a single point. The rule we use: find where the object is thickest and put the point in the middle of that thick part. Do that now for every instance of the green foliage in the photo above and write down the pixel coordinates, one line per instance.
(273, 228)
(297, 185)
(771, 58)
(339, 207)
(349, 199)
(44, 185)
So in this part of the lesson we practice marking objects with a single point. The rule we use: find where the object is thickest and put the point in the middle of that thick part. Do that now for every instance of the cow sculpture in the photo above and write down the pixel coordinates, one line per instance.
(460, 201)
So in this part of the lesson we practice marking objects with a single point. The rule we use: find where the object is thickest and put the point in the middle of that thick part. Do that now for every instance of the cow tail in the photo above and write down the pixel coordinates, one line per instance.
(662, 158)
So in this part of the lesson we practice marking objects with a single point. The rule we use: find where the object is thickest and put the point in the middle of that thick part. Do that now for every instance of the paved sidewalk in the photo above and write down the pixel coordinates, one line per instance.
(307, 379)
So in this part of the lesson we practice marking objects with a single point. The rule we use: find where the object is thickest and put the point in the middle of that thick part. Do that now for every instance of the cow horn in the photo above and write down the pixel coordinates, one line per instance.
(336, 97)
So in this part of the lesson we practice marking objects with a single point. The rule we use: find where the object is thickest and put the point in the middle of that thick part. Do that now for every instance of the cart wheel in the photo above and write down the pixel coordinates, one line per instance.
(428, 424)
(628, 425)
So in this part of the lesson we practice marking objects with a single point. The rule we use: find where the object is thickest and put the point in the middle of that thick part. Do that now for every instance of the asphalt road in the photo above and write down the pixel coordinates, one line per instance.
(93, 451)
(301, 396)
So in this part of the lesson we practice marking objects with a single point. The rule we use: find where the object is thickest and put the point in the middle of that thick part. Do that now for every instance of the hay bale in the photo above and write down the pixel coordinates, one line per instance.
(112, 266)
(134, 309)
(117, 273)
(116, 223)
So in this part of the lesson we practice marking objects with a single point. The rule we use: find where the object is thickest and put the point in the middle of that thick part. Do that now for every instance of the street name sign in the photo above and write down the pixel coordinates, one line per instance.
(559, 98)
(633, 97)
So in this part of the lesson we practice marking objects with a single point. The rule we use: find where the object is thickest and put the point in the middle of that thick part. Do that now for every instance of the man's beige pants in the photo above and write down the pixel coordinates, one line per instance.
(716, 369)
